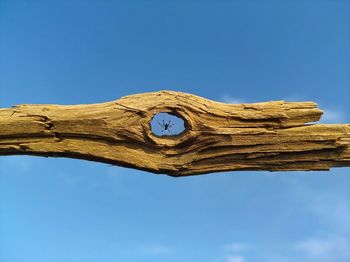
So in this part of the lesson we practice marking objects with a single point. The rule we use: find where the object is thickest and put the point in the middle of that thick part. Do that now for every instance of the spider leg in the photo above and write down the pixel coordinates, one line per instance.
(160, 124)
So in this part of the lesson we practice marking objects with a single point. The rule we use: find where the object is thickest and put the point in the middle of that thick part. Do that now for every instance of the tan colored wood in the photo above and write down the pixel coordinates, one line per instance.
(218, 137)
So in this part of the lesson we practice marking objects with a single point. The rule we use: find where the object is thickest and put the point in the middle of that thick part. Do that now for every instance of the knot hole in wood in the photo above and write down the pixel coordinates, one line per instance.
(167, 124)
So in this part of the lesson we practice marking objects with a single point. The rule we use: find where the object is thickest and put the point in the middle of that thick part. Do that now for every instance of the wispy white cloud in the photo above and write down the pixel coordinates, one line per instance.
(231, 100)
(332, 243)
(235, 258)
(329, 241)
(332, 116)
(233, 251)
(235, 247)
(294, 98)
(326, 249)
(157, 249)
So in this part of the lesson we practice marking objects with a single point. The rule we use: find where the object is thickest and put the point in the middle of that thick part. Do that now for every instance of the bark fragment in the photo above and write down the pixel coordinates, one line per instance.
(218, 137)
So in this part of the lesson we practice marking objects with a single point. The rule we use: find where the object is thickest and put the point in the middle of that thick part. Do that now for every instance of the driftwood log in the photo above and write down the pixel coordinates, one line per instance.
(218, 137)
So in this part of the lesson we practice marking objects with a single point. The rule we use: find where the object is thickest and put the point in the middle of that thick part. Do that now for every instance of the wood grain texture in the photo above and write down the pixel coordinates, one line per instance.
(218, 137)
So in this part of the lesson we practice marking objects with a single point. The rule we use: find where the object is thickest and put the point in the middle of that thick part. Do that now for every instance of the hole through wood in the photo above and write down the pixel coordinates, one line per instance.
(167, 124)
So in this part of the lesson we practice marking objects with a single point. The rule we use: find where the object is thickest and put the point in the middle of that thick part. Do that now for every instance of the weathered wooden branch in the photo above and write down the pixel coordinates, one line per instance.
(218, 137)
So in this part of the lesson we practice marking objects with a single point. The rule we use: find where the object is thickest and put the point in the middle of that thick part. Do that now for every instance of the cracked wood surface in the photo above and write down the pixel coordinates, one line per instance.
(271, 136)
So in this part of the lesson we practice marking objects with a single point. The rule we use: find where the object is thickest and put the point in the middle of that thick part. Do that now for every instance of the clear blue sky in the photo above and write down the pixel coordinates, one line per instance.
(72, 52)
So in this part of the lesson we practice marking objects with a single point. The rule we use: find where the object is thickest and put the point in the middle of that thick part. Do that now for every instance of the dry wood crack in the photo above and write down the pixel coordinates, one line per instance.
(218, 137)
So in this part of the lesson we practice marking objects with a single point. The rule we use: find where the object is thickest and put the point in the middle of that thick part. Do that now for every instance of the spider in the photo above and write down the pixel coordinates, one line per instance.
(166, 126)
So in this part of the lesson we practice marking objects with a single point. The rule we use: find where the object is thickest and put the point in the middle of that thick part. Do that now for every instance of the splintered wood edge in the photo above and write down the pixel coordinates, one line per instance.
(273, 136)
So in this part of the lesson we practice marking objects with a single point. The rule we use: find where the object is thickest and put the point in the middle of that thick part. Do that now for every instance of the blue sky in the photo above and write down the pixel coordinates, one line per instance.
(73, 52)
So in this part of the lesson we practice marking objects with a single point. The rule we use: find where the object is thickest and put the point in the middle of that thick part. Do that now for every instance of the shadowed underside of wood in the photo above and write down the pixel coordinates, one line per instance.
(218, 137)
